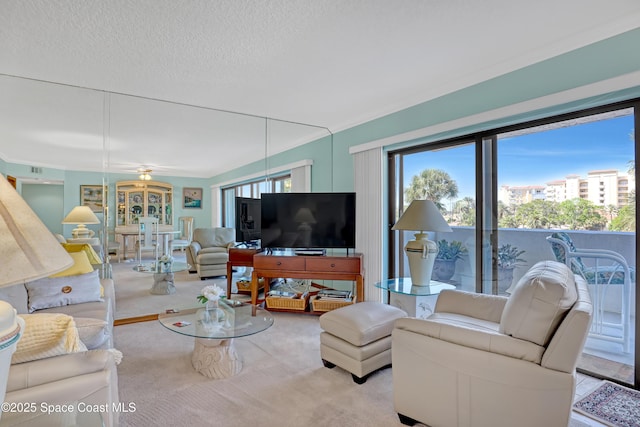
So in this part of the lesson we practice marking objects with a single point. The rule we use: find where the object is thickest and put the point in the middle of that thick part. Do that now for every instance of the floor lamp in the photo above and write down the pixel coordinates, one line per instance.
(421, 215)
(28, 251)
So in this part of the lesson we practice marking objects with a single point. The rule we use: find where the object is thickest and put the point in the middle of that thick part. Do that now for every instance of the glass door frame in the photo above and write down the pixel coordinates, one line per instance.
(486, 216)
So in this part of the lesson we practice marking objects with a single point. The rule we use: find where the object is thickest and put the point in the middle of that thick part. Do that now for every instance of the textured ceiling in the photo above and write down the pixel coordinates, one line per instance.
(173, 66)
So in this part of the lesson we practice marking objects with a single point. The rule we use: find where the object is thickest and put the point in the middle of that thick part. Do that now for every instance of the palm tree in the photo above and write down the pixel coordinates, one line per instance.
(431, 184)
(466, 209)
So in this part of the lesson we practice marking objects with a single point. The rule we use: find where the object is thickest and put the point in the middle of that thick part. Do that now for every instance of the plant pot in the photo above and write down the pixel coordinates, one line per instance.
(505, 278)
(443, 269)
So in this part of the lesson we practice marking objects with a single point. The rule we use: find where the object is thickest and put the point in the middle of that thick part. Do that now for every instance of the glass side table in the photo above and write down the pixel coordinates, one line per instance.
(417, 301)
(162, 276)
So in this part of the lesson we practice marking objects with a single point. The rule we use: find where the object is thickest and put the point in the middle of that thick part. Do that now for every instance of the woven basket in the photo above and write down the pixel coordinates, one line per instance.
(327, 305)
(288, 303)
(245, 285)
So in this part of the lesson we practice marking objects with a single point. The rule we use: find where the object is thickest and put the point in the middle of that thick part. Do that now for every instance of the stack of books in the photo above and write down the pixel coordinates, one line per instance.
(283, 294)
(335, 295)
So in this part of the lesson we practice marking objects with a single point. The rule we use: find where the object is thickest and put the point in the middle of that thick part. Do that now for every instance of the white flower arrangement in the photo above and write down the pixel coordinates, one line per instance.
(166, 259)
(211, 293)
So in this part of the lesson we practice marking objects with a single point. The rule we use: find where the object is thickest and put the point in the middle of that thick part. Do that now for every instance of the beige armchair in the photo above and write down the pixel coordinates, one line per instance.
(485, 360)
(208, 252)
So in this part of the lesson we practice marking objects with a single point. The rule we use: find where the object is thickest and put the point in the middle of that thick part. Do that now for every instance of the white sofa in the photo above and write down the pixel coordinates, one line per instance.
(484, 360)
(88, 376)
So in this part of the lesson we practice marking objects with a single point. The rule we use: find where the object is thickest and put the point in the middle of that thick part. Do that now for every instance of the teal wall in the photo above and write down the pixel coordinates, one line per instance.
(47, 202)
(606, 59)
(320, 151)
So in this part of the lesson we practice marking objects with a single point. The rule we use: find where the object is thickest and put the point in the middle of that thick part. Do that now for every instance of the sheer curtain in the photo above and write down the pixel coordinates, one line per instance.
(370, 232)
(301, 179)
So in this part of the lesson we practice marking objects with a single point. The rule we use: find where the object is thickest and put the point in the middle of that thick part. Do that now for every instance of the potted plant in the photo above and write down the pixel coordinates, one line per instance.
(508, 259)
(445, 264)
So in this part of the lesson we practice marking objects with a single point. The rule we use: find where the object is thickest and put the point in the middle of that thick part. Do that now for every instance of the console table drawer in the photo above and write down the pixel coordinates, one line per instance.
(278, 263)
(339, 265)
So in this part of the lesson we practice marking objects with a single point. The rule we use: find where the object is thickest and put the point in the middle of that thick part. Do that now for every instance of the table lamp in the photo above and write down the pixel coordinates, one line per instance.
(81, 215)
(28, 251)
(421, 215)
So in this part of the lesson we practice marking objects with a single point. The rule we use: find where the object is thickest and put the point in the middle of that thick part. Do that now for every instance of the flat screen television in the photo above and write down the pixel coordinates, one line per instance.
(247, 219)
(308, 220)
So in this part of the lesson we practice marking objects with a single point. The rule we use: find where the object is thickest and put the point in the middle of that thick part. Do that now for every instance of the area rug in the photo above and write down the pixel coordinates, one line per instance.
(612, 405)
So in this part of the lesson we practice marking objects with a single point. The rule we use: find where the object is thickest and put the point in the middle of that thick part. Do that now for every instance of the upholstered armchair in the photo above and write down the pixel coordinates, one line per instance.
(208, 252)
(487, 360)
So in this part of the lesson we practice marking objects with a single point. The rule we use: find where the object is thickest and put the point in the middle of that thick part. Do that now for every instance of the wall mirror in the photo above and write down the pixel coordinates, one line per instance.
(77, 136)
(83, 137)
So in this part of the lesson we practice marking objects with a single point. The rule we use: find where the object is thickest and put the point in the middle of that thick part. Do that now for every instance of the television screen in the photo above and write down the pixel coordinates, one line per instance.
(308, 220)
(247, 219)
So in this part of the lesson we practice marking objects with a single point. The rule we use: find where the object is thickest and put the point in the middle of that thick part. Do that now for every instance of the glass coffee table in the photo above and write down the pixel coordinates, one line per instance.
(214, 354)
(417, 301)
(162, 276)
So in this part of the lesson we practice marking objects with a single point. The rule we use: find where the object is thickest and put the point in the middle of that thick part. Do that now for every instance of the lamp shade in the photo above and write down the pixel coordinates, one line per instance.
(28, 249)
(81, 215)
(422, 215)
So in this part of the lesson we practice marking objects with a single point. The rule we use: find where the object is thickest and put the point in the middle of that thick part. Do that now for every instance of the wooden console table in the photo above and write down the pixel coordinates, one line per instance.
(307, 267)
(241, 257)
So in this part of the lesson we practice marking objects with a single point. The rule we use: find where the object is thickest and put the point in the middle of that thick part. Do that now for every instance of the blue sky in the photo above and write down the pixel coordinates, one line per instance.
(538, 158)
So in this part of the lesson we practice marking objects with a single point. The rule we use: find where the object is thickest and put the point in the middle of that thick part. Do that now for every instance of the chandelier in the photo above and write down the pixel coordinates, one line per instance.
(145, 174)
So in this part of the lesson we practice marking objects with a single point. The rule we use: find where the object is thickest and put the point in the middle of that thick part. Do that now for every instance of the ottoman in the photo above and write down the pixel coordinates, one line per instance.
(211, 264)
(357, 337)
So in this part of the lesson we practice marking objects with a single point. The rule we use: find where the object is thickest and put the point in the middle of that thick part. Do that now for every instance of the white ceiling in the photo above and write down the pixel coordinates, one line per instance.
(173, 66)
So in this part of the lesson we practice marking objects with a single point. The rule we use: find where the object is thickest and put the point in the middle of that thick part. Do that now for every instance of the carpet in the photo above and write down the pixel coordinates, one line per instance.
(282, 383)
(612, 405)
(133, 297)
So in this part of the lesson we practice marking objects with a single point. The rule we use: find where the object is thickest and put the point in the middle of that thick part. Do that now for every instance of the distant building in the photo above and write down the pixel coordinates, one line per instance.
(602, 187)
(522, 194)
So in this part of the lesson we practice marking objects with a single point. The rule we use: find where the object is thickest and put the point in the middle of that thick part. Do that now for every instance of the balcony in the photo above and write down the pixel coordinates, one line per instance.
(536, 248)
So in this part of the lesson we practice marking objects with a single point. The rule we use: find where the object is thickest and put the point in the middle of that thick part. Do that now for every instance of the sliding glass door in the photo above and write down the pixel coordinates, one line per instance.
(538, 191)
(570, 184)
(445, 175)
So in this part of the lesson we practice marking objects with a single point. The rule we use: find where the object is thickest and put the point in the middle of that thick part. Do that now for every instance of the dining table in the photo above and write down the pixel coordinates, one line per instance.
(128, 233)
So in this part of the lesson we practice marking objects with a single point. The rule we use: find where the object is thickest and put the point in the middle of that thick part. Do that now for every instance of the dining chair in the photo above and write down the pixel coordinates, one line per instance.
(602, 270)
(113, 245)
(186, 233)
(148, 237)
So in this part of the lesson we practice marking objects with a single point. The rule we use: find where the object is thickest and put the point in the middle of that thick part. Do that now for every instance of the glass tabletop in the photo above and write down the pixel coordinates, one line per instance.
(233, 319)
(403, 285)
(152, 267)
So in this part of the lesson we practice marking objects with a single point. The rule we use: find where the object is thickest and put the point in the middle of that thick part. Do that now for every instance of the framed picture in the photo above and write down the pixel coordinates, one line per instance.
(192, 198)
(92, 196)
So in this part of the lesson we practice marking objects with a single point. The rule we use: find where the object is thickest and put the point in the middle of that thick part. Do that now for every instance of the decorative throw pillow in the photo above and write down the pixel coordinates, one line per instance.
(47, 335)
(81, 265)
(577, 266)
(93, 332)
(93, 256)
(59, 291)
(539, 302)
